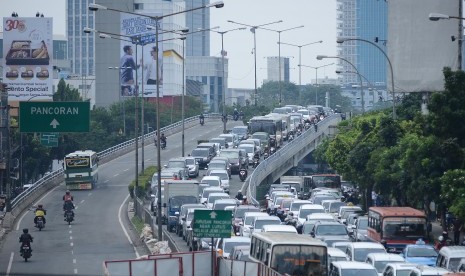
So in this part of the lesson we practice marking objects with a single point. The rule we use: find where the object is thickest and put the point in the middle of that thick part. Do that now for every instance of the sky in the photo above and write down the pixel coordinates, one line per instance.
(317, 16)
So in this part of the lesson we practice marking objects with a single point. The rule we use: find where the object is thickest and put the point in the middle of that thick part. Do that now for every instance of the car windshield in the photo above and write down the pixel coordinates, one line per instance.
(308, 227)
(177, 202)
(336, 259)
(228, 138)
(176, 164)
(206, 193)
(239, 212)
(229, 246)
(287, 204)
(259, 223)
(334, 207)
(190, 216)
(358, 272)
(422, 252)
(212, 199)
(454, 263)
(360, 254)
(222, 206)
(220, 141)
(216, 165)
(248, 149)
(299, 259)
(362, 224)
(211, 182)
(331, 230)
(230, 154)
(200, 152)
(380, 265)
(249, 220)
(295, 206)
(262, 137)
(223, 176)
(190, 161)
(305, 212)
(319, 199)
(239, 130)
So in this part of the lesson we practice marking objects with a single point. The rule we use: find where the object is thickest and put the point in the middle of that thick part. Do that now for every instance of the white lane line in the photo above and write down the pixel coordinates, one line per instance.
(74, 261)
(9, 264)
(125, 170)
(72, 244)
(71, 232)
(72, 252)
(76, 207)
(82, 201)
(106, 181)
(116, 174)
(124, 229)
(89, 194)
(69, 226)
(24, 214)
(70, 237)
(75, 271)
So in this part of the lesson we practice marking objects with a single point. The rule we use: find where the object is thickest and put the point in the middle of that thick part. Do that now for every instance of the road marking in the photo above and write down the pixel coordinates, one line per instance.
(9, 264)
(82, 201)
(76, 207)
(75, 271)
(70, 237)
(106, 181)
(89, 194)
(24, 214)
(124, 229)
(74, 261)
(69, 226)
(125, 170)
(72, 244)
(72, 252)
(116, 174)
(70, 231)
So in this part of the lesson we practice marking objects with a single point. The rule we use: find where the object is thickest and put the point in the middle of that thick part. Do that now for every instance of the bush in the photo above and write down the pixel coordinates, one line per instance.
(144, 182)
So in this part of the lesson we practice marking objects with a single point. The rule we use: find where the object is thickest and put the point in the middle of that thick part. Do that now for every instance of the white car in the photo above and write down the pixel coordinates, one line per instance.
(225, 246)
(224, 176)
(307, 209)
(259, 222)
(193, 166)
(214, 196)
(245, 230)
(207, 191)
(347, 268)
(250, 149)
(222, 204)
(380, 260)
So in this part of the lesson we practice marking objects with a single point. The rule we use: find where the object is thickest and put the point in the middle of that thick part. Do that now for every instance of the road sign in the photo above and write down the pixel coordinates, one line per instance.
(49, 139)
(212, 223)
(54, 116)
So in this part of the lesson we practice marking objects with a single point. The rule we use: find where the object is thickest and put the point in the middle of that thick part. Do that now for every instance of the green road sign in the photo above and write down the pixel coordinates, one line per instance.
(212, 223)
(49, 139)
(54, 116)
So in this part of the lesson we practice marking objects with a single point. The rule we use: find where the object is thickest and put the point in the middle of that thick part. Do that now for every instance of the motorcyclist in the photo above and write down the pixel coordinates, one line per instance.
(236, 114)
(240, 196)
(384, 243)
(290, 220)
(163, 138)
(25, 239)
(40, 212)
(202, 118)
(68, 196)
(68, 206)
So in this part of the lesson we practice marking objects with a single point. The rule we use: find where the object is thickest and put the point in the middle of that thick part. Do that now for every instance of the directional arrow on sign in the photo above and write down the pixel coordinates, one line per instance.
(54, 123)
(213, 215)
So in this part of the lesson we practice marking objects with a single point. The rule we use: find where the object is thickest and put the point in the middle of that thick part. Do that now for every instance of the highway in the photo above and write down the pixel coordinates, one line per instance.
(99, 231)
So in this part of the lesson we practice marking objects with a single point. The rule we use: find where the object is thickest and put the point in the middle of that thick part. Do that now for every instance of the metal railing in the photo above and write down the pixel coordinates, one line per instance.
(123, 146)
(274, 162)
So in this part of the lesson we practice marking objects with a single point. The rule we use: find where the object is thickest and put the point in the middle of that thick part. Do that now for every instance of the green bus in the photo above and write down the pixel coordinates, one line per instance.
(81, 170)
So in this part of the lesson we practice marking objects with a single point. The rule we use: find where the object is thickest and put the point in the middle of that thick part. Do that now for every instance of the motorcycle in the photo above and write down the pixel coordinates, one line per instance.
(243, 174)
(69, 216)
(40, 223)
(236, 117)
(163, 144)
(26, 251)
(265, 155)
(255, 163)
(202, 121)
(272, 150)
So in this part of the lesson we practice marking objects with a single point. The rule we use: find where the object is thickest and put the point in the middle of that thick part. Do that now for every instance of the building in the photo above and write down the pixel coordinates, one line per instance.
(239, 96)
(364, 19)
(273, 70)
(197, 44)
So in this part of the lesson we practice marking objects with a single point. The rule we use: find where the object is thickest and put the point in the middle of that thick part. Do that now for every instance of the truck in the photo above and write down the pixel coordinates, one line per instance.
(177, 193)
(295, 181)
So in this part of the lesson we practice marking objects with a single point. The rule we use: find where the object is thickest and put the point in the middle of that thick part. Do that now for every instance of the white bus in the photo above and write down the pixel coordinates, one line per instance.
(81, 170)
(289, 253)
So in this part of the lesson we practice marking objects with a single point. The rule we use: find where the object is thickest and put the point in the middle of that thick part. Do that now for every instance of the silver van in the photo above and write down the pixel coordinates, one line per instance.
(450, 256)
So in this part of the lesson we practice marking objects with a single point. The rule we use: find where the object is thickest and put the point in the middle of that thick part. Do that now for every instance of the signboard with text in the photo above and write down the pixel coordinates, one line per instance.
(54, 116)
(27, 55)
(212, 223)
(49, 139)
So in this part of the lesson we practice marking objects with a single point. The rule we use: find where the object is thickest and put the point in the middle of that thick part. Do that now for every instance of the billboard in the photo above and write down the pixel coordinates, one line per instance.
(27, 52)
(418, 48)
(139, 65)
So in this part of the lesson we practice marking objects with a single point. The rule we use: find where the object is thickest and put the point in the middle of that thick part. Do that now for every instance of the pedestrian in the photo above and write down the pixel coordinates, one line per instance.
(457, 227)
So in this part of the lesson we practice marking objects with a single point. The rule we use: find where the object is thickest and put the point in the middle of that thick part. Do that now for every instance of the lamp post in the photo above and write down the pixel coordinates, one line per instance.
(320, 57)
(372, 88)
(223, 86)
(253, 29)
(300, 55)
(157, 19)
(279, 55)
(316, 76)
(342, 40)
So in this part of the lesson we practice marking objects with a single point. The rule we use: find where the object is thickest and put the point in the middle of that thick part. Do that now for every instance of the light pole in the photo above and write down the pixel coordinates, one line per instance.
(372, 88)
(342, 40)
(223, 86)
(157, 19)
(300, 55)
(440, 16)
(316, 77)
(320, 57)
(279, 55)
(253, 29)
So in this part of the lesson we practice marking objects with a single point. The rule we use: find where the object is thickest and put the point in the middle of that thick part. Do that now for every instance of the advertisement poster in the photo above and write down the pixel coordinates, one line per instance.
(140, 63)
(27, 52)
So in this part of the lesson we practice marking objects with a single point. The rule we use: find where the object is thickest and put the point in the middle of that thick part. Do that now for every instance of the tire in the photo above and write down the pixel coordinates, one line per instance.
(69, 222)
(25, 259)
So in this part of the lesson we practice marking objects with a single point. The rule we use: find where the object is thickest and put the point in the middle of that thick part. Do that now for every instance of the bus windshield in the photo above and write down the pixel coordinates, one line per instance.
(326, 181)
(299, 260)
(409, 228)
(263, 126)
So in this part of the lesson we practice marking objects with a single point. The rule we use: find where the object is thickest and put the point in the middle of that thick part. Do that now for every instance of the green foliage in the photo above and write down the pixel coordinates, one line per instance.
(144, 182)
(453, 191)
(138, 224)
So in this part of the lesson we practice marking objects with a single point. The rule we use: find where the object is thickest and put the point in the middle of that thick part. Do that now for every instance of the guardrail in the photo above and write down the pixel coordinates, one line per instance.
(288, 151)
(102, 156)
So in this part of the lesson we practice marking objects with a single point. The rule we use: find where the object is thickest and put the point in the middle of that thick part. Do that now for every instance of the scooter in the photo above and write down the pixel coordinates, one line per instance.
(69, 216)
(202, 121)
(255, 163)
(26, 252)
(40, 223)
(163, 144)
(242, 174)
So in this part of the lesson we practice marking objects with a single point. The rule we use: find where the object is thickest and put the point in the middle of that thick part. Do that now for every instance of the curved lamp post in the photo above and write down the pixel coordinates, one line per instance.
(320, 57)
(316, 76)
(342, 40)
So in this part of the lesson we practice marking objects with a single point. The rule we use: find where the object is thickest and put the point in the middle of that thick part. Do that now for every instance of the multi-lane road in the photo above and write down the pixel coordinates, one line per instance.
(100, 231)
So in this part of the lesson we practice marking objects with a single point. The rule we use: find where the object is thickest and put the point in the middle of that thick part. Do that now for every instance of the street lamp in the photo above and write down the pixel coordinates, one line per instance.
(439, 16)
(320, 57)
(279, 54)
(316, 76)
(300, 55)
(157, 19)
(342, 40)
(372, 88)
(253, 29)
(222, 61)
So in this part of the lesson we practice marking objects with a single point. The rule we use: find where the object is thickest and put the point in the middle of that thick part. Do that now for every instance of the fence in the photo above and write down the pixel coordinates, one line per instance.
(149, 267)
(243, 268)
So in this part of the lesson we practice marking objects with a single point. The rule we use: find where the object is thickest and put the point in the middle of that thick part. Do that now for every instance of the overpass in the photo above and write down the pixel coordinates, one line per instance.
(272, 168)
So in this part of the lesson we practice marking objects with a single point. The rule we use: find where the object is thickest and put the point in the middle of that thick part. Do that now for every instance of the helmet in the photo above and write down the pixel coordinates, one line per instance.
(239, 192)
(67, 192)
(441, 238)
(162, 134)
(235, 109)
(25, 230)
(291, 214)
(40, 206)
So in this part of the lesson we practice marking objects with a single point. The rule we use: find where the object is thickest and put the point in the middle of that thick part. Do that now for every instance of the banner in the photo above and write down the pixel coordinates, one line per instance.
(27, 52)
(139, 62)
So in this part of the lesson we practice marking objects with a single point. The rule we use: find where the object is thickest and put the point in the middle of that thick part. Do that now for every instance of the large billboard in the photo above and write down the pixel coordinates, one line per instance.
(418, 48)
(140, 63)
(27, 52)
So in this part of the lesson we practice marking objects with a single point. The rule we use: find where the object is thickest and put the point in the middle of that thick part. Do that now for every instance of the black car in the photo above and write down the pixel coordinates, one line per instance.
(237, 158)
(202, 156)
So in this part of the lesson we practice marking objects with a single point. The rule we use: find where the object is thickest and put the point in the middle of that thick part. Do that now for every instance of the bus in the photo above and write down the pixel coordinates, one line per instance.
(332, 181)
(398, 226)
(289, 253)
(270, 124)
(81, 170)
(286, 124)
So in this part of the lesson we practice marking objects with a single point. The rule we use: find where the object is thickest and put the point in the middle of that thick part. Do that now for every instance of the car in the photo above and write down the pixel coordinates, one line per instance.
(336, 255)
(211, 181)
(279, 228)
(342, 245)
(250, 150)
(221, 141)
(237, 160)
(245, 230)
(259, 222)
(222, 204)
(241, 131)
(358, 251)
(183, 213)
(187, 221)
(360, 229)
(207, 191)
(224, 176)
(231, 139)
(449, 257)
(238, 215)
(241, 253)
(203, 156)
(326, 229)
(398, 269)
(213, 147)
(224, 246)
(425, 270)
(193, 166)
(423, 254)
(219, 164)
(380, 260)
(264, 138)
(307, 209)
(295, 206)
(215, 196)
(347, 268)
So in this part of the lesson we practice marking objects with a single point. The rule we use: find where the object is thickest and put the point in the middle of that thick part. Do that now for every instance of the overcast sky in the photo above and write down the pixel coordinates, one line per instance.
(317, 16)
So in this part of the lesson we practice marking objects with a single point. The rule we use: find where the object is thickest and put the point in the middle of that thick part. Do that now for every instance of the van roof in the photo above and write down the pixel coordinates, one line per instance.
(366, 245)
(352, 265)
(334, 252)
(279, 228)
(386, 257)
(455, 251)
(311, 207)
(396, 211)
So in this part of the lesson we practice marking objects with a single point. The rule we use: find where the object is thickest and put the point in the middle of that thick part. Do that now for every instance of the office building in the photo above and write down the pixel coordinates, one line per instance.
(273, 71)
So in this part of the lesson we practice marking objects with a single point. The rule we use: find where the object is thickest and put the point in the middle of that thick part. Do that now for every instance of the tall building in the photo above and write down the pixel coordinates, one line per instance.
(273, 69)
(364, 19)
(81, 47)
(198, 44)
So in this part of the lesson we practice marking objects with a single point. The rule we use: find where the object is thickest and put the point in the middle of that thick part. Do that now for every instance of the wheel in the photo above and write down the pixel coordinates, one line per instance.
(69, 222)
(40, 228)
(25, 259)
